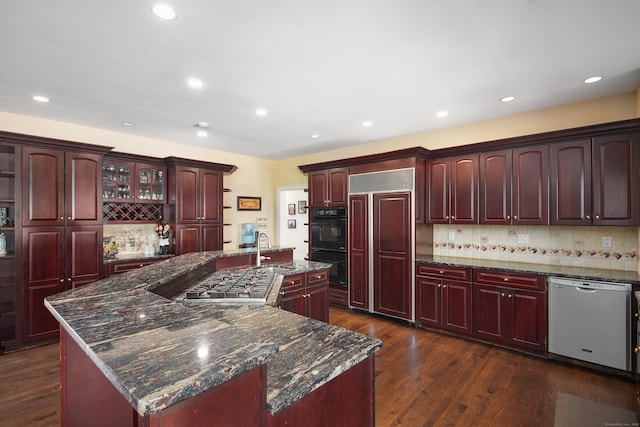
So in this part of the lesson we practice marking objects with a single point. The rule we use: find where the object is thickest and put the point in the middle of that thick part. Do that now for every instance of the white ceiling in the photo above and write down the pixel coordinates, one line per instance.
(318, 67)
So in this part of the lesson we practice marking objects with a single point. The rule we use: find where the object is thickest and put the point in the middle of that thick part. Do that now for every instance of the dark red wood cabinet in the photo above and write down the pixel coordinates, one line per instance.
(443, 298)
(359, 251)
(62, 233)
(196, 195)
(510, 309)
(328, 188)
(306, 294)
(392, 256)
(452, 190)
(595, 181)
(514, 186)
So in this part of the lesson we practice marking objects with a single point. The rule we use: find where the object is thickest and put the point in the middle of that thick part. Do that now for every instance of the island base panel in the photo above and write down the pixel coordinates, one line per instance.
(89, 399)
(347, 400)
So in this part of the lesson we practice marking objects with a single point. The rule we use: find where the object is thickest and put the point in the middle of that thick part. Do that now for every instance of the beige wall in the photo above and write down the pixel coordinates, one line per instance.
(259, 177)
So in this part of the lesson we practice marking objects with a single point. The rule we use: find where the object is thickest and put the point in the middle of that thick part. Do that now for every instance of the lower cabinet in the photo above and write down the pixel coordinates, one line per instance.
(443, 298)
(513, 314)
(508, 309)
(306, 294)
(120, 267)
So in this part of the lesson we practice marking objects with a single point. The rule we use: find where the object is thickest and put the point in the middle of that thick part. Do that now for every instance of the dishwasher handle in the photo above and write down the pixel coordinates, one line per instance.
(586, 290)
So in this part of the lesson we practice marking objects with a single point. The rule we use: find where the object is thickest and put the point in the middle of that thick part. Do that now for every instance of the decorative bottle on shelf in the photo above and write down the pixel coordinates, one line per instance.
(3, 244)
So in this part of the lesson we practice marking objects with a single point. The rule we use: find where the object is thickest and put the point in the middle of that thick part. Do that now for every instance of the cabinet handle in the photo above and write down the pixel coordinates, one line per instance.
(506, 279)
(444, 286)
(61, 218)
(502, 294)
(446, 217)
(453, 217)
(441, 272)
(515, 217)
(508, 216)
(439, 285)
(141, 265)
(281, 292)
(510, 296)
(636, 350)
(588, 216)
(62, 280)
(69, 218)
(597, 216)
(319, 276)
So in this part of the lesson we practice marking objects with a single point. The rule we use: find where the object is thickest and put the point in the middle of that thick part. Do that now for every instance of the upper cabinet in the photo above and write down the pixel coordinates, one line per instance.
(596, 181)
(61, 188)
(328, 188)
(195, 193)
(132, 182)
(514, 186)
(452, 190)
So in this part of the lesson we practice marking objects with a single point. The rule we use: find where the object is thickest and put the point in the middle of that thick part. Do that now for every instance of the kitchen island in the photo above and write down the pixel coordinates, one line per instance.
(130, 355)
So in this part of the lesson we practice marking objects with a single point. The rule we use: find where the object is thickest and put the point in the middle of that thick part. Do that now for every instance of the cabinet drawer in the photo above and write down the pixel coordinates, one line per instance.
(276, 257)
(292, 281)
(460, 273)
(123, 267)
(513, 280)
(319, 276)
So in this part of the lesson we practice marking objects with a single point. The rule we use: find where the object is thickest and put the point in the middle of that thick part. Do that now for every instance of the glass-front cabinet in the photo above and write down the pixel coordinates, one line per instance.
(150, 183)
(132, 182)
(117, 184)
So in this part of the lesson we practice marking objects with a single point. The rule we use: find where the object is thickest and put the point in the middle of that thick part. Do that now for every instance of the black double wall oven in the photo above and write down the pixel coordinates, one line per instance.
(329, 241)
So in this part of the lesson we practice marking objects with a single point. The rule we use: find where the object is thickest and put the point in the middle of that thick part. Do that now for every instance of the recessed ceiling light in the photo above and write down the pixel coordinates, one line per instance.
(195, 83)
(593, 79)
(367, 123)
(202, 125)
(507, 99)
(164, 11)
(127, 123)
(40, 98)
(442, 114)
(261, 112)
(201, 133)
(314, 136)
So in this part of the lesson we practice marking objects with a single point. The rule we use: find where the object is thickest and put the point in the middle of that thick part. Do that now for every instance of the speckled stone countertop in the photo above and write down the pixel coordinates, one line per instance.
(544, 269)
(157, 352)
(135, 257)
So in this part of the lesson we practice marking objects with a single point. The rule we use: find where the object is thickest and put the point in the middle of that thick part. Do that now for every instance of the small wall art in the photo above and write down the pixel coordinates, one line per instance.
(302, 206)
(292, 208)
(246, 203)
(291, 223)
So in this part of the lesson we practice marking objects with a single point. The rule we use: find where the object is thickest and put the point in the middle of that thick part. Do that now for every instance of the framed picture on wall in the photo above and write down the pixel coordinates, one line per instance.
(249, 203)
(302, 206)
(291, 223)
(292, 208)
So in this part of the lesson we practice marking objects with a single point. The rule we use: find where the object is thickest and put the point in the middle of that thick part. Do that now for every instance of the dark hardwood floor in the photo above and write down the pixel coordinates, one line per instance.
(422, 379)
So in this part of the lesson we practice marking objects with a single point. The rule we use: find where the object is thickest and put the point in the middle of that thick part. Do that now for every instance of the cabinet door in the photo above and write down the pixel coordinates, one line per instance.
(530, 185)
(187, 195)
(211, 237)
(187, 238)
(570, 172)
(616, 180)
(456, 307)
(291, 294)
(429, 302)
(83, 193)
(43, 250)
(150, 183)
(527, 320)
(317, 302)
(43, 187)
(337, 179)
(438, 191)
(118, 180)
(464, 190)
(318, 189)
(84, 255)
(489, 303)
(210, 196)
(495, 187)
(392, 254)
(359, 251)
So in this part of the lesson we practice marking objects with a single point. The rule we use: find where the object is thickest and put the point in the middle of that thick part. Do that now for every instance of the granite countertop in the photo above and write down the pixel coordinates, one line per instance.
(135, 257)
(157, 352)
(618, 276)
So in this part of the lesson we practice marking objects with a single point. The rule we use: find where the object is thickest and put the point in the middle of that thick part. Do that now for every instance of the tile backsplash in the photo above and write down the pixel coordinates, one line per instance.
(131, 239)
(613, 248)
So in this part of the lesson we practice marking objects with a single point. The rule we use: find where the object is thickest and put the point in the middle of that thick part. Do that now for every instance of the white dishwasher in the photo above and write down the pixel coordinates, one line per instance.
(591, 321)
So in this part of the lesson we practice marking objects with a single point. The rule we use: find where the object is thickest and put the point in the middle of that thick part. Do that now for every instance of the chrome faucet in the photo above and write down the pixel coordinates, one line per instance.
(259, 258)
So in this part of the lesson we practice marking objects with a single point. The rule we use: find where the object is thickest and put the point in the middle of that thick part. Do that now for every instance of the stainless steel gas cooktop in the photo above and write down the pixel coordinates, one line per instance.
(250, 285)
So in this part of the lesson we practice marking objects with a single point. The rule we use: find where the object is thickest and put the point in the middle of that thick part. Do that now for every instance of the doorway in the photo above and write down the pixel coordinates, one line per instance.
(293, 219)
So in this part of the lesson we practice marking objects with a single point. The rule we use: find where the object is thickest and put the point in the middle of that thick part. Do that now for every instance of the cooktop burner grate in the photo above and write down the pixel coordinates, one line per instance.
(248, 285)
